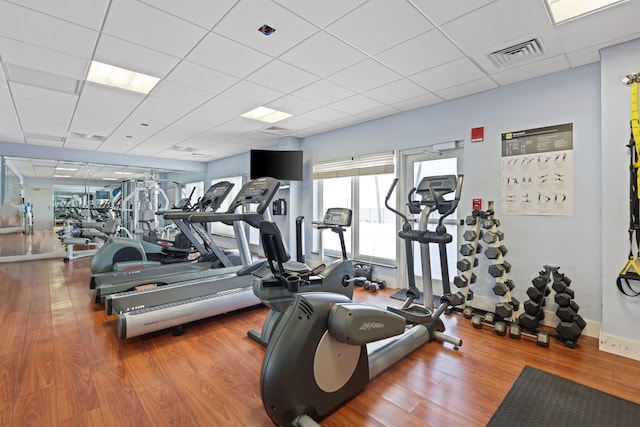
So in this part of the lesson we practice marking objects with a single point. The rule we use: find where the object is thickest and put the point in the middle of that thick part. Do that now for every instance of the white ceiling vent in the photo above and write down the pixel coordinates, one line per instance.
(517, 53)
(276, 130)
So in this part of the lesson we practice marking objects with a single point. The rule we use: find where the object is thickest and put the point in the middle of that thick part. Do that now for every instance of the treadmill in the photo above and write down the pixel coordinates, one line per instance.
(211, 256)
(227, 289)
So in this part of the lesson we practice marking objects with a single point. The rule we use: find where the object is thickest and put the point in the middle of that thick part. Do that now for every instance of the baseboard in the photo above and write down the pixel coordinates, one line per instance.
(9, 230)
(591, 330)
(620, 346)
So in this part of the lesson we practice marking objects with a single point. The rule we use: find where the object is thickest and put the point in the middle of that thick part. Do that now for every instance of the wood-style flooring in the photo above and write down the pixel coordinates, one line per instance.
(61, 364)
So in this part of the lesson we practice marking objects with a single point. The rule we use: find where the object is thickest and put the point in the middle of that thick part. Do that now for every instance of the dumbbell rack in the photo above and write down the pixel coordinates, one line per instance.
(481, 225)
(571, 323)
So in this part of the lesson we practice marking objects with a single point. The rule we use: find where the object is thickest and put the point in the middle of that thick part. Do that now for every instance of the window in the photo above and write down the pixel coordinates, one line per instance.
(360, 184)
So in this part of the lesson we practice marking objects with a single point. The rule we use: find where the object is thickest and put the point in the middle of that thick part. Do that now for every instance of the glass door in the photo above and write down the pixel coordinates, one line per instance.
(416, 166)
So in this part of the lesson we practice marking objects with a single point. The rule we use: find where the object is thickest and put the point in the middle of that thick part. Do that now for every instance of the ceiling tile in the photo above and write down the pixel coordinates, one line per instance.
(147, 26)
(468, 88)
(201, 78)
(321, 13)
(45, 31)
(252, 93)
(447, 75)
(228, 56)
(494, 23)
(355, 104)
(365, 75)
(281, 76)
(101, 109)
(205, 13)
(418, 102)
(373, 27)
(440, 12)
(244, 20)
(292, 105)
(122, 53)
(10, 130)
(43, 111)
(177, 92)
(323, 92)
(323, 114)
(529, 71)
(88, 13)
(152, 115)
(377, 113)
(420, 53)
(611, 23)
(322, 54)
(397, 91)
(38, 58)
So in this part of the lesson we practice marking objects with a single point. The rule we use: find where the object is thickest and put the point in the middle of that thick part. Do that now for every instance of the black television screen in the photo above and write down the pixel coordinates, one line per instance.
(282, 165)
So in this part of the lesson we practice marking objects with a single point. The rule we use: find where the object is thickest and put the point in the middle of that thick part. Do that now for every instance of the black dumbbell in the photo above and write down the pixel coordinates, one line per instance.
(541, 337)
(563, 299)
(464, 264)
(568, 312)
(470, 235)
(504, 310)
(494, 252)
(537, 294)
(467, 249)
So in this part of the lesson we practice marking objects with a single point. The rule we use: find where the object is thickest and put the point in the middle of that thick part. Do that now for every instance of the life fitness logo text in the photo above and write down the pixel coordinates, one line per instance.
(371, 325)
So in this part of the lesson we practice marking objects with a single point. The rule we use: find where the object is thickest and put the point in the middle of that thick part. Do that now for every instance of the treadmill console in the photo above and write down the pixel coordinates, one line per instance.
(259, 192)
(215, 195)
(340, 217)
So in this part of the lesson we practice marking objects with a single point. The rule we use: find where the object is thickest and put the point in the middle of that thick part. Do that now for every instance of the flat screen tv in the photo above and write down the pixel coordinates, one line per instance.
(282, 165)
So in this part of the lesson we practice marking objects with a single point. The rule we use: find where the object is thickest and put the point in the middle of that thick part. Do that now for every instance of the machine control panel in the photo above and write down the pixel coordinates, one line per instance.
(338, 217)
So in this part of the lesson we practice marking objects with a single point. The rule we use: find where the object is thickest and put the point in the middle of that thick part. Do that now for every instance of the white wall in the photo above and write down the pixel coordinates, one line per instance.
(588, 246)
(573, 243)
(620, 314)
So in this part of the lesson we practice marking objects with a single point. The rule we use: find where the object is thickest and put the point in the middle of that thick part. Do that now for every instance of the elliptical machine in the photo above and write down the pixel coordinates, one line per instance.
(277, 289)
(318, 359)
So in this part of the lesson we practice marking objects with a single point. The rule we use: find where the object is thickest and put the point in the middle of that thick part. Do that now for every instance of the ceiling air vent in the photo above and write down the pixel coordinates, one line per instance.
(517, 53)
(276, 130)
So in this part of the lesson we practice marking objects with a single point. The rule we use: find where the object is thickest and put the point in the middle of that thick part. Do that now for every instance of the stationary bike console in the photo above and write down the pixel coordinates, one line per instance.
(337, 217)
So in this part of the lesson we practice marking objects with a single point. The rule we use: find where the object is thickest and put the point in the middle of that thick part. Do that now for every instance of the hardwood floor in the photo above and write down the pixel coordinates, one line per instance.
(61, 364)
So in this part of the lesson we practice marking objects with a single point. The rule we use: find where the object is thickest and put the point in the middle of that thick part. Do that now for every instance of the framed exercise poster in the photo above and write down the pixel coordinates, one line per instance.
(537, 171)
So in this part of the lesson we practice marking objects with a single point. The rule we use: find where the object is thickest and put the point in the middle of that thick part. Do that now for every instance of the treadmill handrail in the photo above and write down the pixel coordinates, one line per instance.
(251, 218)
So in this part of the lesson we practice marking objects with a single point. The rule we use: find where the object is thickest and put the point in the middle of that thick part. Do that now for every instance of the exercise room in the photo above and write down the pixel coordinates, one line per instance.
(339, 213)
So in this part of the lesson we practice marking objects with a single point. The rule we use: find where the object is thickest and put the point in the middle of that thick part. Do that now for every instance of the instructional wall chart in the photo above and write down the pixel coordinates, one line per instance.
(537, 171)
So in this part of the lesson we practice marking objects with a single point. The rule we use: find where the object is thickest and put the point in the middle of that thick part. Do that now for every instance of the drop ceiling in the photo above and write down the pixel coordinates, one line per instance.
(330, 64)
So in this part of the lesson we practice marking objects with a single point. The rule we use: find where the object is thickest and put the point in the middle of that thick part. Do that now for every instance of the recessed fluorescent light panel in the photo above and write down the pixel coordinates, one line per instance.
(66, 169)
(110, 179)
(565, 10)
(266, 115)
(123, 173)
(62, 176)
(122, 78)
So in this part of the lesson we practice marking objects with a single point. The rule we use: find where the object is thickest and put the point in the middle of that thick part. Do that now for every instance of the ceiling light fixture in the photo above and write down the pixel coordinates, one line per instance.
(110, 179)
(123, 173)
(122, 78)
(66, 169)
(565, 10)
(62, 176)
(266, 115)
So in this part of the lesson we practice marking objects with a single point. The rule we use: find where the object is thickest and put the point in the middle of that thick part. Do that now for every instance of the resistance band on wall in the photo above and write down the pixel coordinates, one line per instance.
(631, 270)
